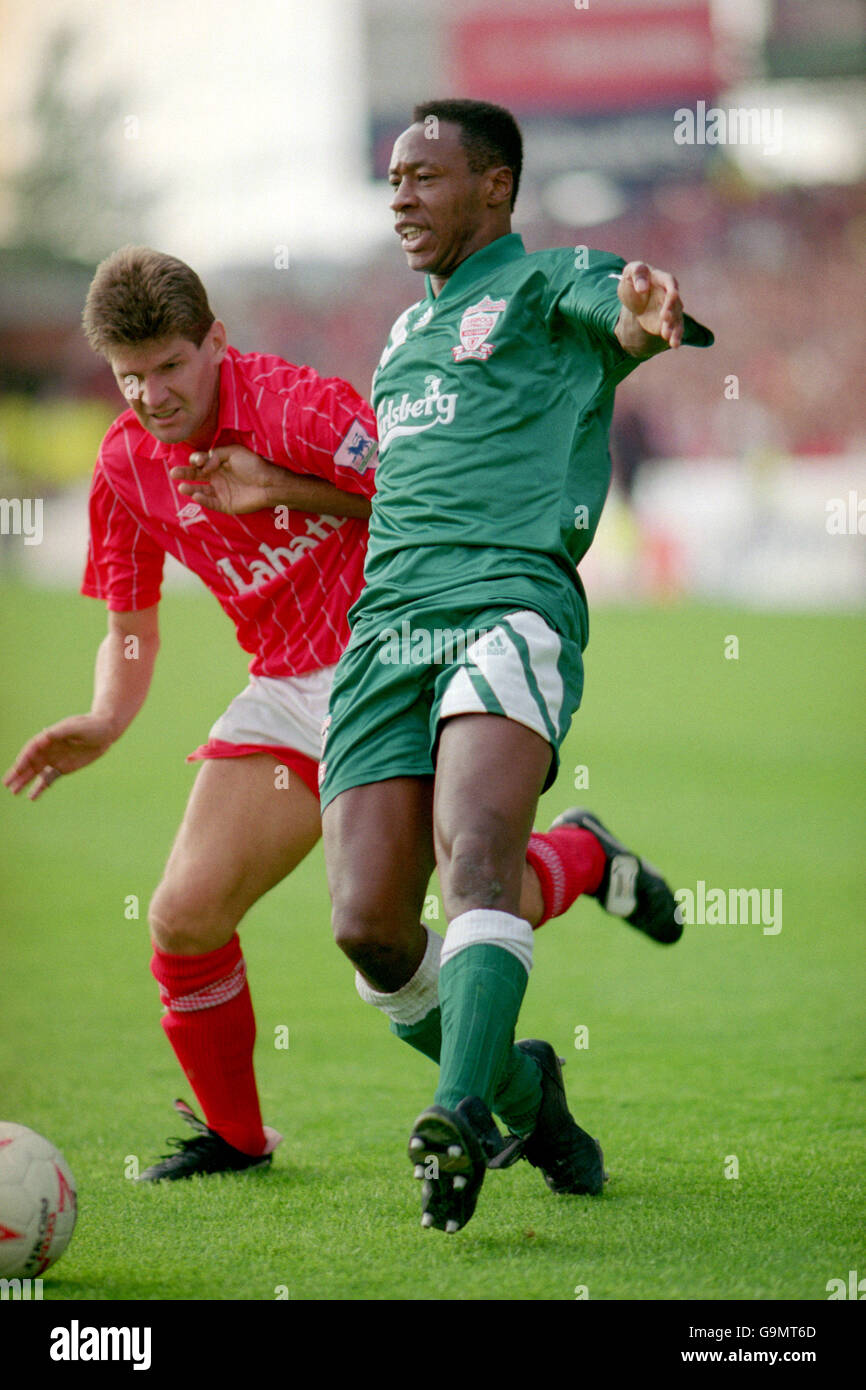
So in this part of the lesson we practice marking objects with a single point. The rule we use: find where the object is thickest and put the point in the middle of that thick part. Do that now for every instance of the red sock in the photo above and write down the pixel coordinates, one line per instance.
(210, 1024)
(568, 861)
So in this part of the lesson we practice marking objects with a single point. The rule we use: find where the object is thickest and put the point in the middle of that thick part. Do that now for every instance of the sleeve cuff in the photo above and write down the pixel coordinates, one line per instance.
(695, 334)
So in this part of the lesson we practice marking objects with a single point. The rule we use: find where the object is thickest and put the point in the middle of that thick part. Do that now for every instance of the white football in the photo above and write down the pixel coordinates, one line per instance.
(38, 1203)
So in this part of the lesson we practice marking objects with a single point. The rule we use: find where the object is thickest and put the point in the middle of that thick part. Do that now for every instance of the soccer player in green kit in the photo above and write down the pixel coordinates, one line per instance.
(493, 399)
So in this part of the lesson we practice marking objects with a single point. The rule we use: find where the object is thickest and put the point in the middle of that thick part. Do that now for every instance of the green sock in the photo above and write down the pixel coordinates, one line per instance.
(425, 1035)
(518, 1094)
(481, 989)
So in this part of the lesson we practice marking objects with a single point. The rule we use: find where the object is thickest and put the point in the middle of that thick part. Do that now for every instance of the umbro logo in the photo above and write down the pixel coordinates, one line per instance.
(190, 513)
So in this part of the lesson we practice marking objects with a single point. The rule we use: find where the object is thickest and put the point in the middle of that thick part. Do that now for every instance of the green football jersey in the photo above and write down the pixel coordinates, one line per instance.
(493, 403)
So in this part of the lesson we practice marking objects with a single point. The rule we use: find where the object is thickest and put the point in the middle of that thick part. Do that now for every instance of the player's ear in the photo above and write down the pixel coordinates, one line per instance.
(499, 185)
(218, 340)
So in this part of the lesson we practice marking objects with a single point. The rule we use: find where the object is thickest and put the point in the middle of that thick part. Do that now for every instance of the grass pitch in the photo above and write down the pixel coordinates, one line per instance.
(724, 1076)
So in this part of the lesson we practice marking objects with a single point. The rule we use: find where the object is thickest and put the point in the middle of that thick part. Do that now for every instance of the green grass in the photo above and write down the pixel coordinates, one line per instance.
(743, 773)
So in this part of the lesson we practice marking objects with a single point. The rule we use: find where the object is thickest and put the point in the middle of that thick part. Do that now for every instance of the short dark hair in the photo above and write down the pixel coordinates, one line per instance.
(489, 134)
(138, 295)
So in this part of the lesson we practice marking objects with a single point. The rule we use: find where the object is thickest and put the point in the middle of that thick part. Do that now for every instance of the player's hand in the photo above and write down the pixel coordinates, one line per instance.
(653, 297)
(63, 748)
(229, 479)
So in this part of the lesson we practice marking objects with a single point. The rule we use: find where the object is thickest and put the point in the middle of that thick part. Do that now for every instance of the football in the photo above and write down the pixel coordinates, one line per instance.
(38, 1204)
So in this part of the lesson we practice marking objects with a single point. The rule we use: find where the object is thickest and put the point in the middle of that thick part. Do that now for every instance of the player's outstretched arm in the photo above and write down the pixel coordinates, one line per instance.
(651, 318)
(233, 479)
(124, 667)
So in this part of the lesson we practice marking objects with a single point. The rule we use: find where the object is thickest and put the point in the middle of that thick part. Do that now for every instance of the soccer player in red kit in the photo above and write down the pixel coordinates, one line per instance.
(255, 474)
(285, 576)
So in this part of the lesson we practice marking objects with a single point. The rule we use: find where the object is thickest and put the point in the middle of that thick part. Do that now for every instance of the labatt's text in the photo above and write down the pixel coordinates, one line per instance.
(275, 558)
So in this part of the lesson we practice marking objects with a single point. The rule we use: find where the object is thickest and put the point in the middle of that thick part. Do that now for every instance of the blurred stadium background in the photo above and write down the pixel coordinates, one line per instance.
(253, 142)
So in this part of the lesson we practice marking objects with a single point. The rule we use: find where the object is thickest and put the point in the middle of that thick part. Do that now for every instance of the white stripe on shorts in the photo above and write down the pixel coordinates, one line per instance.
(545, 649)
(501, 664)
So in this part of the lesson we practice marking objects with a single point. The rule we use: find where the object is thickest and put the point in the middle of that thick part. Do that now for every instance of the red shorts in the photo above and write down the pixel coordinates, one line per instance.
(306, 768)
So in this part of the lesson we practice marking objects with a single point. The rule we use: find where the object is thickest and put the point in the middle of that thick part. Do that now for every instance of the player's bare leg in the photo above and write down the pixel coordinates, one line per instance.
(243, 831)
(379, 854)
(489, 775)
(242, 834)
(374, 832)
(490, 772)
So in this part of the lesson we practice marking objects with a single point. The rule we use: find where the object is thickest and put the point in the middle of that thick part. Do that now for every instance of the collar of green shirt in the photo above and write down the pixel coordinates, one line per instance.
(505, 248)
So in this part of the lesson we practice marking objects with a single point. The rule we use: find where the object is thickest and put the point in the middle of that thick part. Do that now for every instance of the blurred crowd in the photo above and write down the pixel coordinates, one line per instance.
(775, 275)
(776, 279)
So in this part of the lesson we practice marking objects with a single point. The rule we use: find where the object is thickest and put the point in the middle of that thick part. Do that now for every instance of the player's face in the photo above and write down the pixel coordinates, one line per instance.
(442, 209)
(173, 386)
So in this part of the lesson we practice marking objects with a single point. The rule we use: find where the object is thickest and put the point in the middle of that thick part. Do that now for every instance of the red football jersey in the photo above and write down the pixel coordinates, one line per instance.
(286, 578)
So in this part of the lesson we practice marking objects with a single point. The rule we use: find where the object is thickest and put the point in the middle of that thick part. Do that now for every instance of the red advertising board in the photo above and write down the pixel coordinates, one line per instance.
(612, 55)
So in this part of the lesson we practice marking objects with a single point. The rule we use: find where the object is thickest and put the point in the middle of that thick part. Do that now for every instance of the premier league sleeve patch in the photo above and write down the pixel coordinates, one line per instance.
(357, 450)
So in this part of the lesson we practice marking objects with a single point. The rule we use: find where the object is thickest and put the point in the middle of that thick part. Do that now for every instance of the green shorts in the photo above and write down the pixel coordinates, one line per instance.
(390, 693)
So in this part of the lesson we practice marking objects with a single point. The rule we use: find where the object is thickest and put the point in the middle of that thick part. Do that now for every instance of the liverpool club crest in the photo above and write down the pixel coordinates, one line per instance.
(476, 326)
